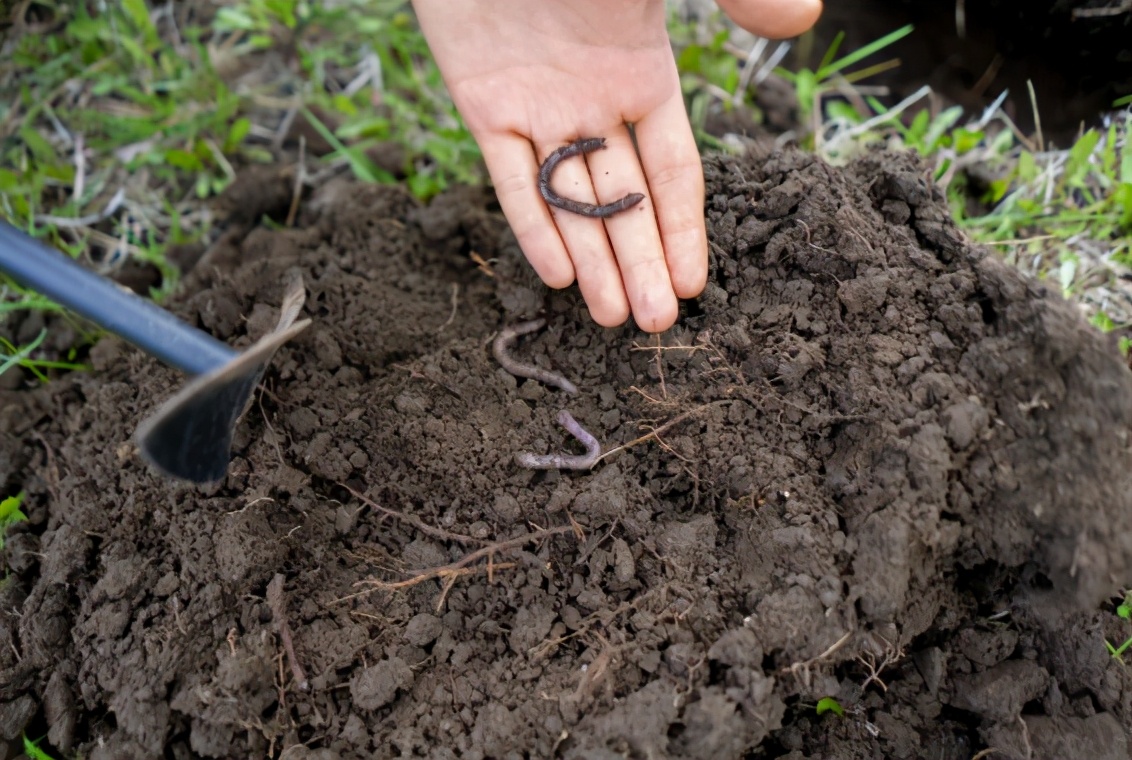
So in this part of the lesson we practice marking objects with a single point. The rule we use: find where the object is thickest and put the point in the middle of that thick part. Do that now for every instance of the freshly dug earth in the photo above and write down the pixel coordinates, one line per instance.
(870, 463)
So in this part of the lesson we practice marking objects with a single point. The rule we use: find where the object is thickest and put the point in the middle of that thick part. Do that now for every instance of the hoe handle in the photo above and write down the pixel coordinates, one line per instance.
(152, 329)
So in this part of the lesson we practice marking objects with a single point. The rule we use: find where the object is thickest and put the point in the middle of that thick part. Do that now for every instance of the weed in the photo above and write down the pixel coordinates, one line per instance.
(32, 750)
(829, 704)
(10, 514)
(22, 357)
(709, 69)
(811, 86)
(124, 119)
(1067, 214)
(1123, 611)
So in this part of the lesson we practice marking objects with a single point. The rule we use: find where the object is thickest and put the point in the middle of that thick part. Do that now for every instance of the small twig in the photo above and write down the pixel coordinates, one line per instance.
(655, 432)
(1037, 115)
(454, 570)
(501, 349)
(278, 607)
(478, 554)
(416, 522)
(801, 670)
(660, 367)
(1026, 738)
(455, 304)
(79, 184)
(284, 128)
(112, 206)
(482, 264)
(565, 461)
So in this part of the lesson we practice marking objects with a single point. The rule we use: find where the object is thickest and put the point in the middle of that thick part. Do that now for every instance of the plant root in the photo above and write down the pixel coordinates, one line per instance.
(452, 572)
(278, 607)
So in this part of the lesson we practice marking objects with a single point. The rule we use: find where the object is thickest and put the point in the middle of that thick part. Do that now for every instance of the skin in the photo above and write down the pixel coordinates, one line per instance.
(530, 76)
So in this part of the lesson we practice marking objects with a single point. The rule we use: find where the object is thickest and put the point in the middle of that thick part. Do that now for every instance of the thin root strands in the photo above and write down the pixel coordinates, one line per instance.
(278, 604)
(585, 145)
(501, 349)
(565, 461)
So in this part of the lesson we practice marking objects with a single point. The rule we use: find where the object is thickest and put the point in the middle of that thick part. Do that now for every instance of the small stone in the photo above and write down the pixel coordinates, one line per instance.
(624, 566)
(423, 629)
(999, 693)
(14, 717)
(930, 664)
(377, 685)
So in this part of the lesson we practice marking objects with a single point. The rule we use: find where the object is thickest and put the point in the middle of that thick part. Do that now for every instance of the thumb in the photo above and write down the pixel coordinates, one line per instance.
(776, 19)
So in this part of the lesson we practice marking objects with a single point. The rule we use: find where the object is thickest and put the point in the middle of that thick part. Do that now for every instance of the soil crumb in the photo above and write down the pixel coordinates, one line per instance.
(871, 463)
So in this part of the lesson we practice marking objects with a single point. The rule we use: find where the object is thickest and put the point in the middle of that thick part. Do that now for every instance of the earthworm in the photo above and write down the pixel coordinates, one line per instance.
(565, 461)
(586, 145)
(501, 348)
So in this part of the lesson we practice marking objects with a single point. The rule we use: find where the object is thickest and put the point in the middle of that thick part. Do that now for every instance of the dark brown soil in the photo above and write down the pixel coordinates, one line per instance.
(885, 468)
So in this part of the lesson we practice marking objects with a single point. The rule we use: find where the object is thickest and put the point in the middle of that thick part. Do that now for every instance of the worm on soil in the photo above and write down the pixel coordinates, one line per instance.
(586, 145)
(565, 461)
(501, 348)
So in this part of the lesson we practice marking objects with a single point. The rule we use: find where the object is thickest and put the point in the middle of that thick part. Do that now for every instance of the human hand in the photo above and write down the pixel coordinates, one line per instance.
(530, 76)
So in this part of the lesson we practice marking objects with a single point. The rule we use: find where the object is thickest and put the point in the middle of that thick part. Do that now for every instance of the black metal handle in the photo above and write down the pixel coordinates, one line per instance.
(45, 270)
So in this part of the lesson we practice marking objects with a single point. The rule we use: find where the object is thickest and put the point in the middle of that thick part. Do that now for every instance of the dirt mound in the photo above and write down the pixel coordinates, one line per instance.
(870, 463)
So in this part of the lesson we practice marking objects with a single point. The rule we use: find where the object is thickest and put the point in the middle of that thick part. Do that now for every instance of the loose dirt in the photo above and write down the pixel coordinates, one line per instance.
(871, 463)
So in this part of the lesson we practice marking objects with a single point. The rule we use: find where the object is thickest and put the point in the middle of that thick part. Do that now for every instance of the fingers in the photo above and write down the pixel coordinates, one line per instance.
(675, 174)
(587, 243)
(637, 261)
(634, 234)
(776, 19)
(513, 168)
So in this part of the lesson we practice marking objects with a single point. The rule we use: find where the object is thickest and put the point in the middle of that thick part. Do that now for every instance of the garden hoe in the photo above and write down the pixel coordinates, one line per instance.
(190, 436)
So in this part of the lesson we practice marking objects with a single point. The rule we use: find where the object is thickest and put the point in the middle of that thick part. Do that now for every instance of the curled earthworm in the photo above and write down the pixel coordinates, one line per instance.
(501, 348)
(565, 461)
(586, 145)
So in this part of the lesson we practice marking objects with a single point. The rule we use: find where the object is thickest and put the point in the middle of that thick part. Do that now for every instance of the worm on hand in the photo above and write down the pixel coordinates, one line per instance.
(586, 145)
(565, 461)
(501, 348)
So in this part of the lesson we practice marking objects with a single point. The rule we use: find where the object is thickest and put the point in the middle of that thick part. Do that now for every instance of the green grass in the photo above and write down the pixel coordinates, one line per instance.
(1123, 611)
(119, 125)
(32, 750)
(10, 514)
(125, 123)
(1064, 215)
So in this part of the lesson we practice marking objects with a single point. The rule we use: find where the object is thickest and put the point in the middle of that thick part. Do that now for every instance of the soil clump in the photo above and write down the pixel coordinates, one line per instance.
(871, 463)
